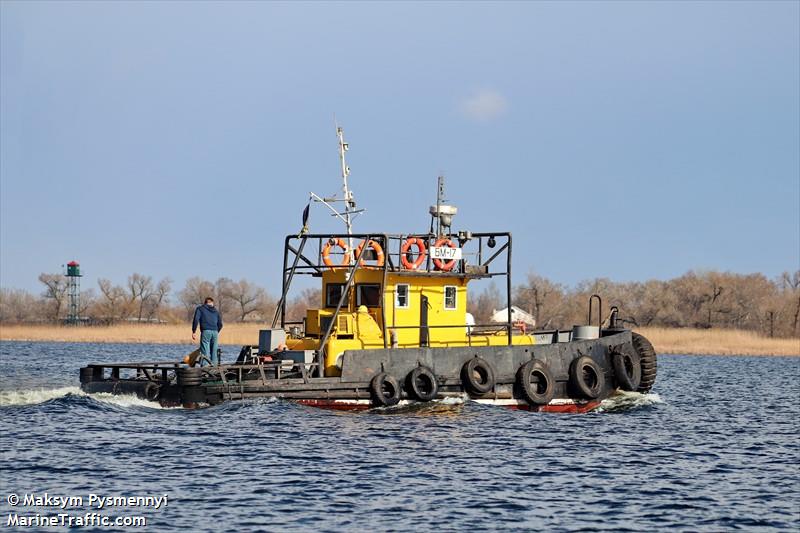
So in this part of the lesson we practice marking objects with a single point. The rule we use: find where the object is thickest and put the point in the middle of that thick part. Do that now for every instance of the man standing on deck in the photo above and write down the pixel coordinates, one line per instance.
(210, 322)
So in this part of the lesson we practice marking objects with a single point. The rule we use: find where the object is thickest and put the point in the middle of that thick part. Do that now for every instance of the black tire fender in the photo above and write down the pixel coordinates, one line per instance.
(648, 361)
(385, 390)
(152, 391)
(586, 377)
(190, 376)
(87, 374)
(477, 376)
(536, 383)
(627, 370)
(421, 384)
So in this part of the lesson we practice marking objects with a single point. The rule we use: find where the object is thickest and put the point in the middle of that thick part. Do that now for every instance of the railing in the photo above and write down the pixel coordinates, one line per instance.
(141, 368)
(471, 264)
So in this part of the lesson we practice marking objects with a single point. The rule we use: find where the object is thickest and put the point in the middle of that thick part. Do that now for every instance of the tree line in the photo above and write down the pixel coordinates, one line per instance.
(140, 299)
(702, 300)
(697, 299)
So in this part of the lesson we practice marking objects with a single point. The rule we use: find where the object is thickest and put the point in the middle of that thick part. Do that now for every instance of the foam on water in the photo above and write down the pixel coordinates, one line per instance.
(454, 400)
(37, 396)
(626, 401)
(127, 400)
(622, 401)
(444, 404)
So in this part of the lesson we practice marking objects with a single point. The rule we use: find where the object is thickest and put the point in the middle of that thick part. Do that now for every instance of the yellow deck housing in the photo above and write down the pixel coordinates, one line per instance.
(360, 321)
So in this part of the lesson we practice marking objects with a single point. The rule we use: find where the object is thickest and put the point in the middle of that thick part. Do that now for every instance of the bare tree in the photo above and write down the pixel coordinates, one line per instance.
(55, 290)
(543, 299)
(223, 303)
(790, 281)
(790, 292)
(713, 291)
(245, 295)
(113, 303)
(140, 289)
(17, 306)
(158, 298)
(487, 302)
(87, 302)
(649, 303)
(194, 292)
(308, 299)
(267, 304)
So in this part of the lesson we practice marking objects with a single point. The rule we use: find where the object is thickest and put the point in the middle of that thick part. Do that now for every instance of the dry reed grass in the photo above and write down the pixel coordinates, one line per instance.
(718, 342)
(665, 340)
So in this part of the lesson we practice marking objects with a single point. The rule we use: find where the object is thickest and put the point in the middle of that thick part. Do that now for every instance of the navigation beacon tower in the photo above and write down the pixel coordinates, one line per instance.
(74, 291)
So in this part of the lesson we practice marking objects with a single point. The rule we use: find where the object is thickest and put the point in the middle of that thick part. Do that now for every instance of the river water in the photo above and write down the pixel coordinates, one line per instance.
(714, 447)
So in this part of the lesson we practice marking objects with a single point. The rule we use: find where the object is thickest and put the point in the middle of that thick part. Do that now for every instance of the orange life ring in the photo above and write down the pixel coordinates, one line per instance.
(326, 252)
(379, 258)
(448, 265)
(421, 251)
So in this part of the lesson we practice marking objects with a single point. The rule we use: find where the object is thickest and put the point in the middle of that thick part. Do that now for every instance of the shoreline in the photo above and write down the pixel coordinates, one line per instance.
(675, 341)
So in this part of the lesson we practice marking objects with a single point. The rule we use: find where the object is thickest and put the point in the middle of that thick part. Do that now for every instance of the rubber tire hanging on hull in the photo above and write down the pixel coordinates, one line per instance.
(87, 373)
(152, 391)
(190, 376)
(385, 390)
(535, 382)
(421, 384)
(582, 367)
(477, 376)
(627, 370)
(647, 360)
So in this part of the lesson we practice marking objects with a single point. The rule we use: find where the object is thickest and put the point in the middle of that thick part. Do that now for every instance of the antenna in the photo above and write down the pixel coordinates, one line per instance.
(348, 194)
(441, 213)
(350, 210)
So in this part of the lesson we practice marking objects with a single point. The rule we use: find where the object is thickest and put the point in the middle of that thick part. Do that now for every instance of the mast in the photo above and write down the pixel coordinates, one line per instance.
(350, 210)
(348, 194)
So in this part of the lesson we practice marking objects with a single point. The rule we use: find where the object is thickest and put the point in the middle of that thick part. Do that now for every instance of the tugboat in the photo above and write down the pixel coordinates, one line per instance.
(392, 328)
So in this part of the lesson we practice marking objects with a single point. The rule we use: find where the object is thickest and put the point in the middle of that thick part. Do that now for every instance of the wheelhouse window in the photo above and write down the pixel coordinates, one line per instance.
(449, 297)
(333, 293)
(368, 294)
(401, 296)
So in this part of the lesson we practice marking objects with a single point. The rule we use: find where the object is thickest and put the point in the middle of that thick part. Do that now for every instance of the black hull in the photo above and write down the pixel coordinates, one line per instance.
(171, 384)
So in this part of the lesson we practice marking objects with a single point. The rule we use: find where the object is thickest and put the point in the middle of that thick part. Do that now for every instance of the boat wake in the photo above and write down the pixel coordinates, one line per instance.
(448, 404)
(628, 401)
(36, 396)
(39, 396)
(622, 401)
(454, 400)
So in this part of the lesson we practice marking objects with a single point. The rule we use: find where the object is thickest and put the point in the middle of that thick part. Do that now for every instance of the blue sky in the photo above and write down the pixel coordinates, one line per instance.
(629, 140)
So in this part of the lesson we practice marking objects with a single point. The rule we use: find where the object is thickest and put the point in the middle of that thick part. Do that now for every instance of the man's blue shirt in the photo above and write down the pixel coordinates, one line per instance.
(207, 317)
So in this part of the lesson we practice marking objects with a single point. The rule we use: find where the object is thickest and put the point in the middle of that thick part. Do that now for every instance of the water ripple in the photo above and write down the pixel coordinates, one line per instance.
(714, 447)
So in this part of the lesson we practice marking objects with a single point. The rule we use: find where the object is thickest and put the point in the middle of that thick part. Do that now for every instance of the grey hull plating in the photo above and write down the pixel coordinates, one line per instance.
(159, 381)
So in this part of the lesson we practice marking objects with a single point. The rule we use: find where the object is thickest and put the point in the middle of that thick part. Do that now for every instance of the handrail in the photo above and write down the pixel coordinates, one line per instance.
(498, 325)
(508, 283)
(308, 267)
(383, 295)
(281, 307)
(599, 310)
(393, 241)
(158, 364)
